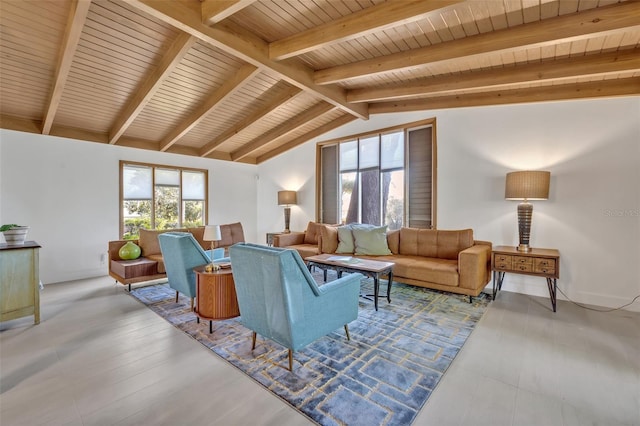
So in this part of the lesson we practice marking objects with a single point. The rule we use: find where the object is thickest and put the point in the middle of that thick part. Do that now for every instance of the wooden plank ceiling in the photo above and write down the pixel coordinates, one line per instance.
(245, 80)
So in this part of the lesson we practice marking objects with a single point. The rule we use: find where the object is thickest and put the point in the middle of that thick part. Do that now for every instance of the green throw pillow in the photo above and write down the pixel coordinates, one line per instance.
(345, 240)
(371, 241)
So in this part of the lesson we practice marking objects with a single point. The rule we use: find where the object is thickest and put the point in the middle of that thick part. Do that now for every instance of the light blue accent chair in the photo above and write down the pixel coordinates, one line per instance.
(181, 253)
(280, 300)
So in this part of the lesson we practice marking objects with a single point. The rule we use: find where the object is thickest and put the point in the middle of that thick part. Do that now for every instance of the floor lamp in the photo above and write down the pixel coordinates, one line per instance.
(287, 198)
(525, 186)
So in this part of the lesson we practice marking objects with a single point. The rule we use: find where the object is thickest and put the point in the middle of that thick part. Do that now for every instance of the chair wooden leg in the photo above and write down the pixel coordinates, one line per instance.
(253, 340)
(290, 360)
(346, 330)
(177, 296)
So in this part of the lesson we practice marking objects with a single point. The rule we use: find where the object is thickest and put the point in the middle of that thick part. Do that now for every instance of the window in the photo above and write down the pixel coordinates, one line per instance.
(381, 178)
(161, 197)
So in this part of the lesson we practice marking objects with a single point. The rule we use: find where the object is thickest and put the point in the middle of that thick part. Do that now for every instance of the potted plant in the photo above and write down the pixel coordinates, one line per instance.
(14, 234)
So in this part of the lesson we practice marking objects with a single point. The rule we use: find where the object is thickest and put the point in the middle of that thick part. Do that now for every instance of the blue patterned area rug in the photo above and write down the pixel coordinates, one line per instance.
(382, 376)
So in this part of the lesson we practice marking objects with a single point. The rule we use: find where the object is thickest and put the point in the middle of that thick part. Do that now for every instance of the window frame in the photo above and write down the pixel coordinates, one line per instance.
(154, 166)
(406, 128)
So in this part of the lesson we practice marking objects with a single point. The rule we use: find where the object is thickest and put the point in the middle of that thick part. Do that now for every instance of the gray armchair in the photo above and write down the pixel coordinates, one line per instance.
(280, 300)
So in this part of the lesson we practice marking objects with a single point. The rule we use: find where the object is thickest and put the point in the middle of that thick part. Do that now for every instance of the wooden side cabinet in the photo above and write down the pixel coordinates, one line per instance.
(215, 295)
(19, 281)
(538, 262)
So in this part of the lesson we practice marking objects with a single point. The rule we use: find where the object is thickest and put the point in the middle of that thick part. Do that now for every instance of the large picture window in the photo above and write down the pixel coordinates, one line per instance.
(161, 197)
(381, 178)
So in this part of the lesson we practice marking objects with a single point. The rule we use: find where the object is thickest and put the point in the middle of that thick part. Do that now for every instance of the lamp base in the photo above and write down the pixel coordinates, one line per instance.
(287, 217)
(525, 212)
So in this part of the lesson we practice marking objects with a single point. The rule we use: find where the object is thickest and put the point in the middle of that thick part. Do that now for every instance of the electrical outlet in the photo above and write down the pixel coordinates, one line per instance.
(103, 258)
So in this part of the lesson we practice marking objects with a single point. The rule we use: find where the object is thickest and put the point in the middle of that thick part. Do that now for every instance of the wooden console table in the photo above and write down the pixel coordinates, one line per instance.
(215, 295)
(538, 262)
(19, 281)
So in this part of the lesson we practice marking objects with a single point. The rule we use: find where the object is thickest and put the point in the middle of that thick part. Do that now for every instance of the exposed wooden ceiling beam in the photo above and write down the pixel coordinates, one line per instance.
(216, 10)
(566, 28)
(375, 18)
(189, 20)
(231, 86)
(334, 124)
(282, 130)
(607, 63)
(596, 89)
(169, 62)
(242, 125)
(77, 18)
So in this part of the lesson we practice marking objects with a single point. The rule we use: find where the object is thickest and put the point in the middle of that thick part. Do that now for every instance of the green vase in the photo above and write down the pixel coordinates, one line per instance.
(129, 251)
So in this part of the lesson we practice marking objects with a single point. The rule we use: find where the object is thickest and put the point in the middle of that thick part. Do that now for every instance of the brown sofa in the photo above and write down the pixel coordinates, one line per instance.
(306, 243)
(150, 265)
(447, 260)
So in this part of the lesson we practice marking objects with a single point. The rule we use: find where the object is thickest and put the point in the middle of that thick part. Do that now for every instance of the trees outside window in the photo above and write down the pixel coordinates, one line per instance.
(384, 178)
(160, 197)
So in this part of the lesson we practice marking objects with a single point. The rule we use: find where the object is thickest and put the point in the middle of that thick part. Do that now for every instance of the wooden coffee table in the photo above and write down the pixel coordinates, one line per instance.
(215, 295)
(371, 268)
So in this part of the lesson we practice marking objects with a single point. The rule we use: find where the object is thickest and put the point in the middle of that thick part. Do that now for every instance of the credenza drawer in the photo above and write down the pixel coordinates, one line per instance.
(522, 267)
(544, 266)
(502, 259)
(522, 260)
(503, 266)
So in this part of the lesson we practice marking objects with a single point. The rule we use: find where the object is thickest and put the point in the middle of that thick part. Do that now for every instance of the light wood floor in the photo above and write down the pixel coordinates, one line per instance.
(99, 357)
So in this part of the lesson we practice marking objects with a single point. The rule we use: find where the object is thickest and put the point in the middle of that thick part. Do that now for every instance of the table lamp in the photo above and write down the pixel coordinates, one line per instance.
(287, 198)
(212, 233)
(526, 185)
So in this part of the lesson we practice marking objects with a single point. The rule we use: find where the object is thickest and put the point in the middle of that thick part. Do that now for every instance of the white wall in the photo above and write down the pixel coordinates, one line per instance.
(592, 149)
(67, 192)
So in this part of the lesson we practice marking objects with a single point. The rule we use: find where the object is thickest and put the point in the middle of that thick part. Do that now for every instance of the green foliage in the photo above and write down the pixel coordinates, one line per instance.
(8, 227)
(166, 211)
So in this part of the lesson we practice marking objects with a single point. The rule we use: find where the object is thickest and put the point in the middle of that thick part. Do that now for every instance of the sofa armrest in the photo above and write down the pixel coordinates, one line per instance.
(290, 239)
(114, 248)
(472, 266)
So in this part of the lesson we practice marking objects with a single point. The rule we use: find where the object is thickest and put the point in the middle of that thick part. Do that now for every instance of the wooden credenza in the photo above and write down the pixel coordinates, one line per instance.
(19, 281)
(543, 263)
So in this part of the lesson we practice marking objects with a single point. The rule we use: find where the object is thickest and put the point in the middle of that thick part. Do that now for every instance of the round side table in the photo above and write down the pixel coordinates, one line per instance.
(215, 295)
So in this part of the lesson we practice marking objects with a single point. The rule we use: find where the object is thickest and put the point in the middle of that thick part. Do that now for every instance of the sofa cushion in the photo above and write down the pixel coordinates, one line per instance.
(393, 241)
(434, 243)
(438, 271)
(158, 258)
(231, 233)
(418, 242)
(305, 250)
(329, 239)
(312, 232)
(148, 240)
(451, 243)
(371, 241)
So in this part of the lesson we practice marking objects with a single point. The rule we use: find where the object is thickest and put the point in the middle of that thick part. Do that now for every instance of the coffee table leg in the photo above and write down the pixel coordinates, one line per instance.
(376, 290)
(389, 287)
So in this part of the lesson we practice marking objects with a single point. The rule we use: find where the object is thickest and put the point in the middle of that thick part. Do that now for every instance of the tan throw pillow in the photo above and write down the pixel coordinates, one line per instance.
(311, 235)
(148, 242)
(329, 238)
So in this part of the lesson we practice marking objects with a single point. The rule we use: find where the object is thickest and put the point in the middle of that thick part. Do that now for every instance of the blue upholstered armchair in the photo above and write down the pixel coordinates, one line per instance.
(181, 253)
(280, 300)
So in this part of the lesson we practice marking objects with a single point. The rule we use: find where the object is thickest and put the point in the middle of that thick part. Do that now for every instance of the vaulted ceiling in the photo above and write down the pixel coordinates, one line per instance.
(245, 80)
